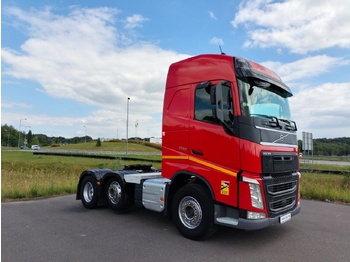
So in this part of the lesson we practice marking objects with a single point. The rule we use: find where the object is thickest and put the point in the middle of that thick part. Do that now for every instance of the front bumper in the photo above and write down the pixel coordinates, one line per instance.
(249, 224)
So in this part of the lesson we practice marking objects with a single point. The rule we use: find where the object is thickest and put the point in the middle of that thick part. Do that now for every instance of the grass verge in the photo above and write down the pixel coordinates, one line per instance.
(27, 176)
(326, 187)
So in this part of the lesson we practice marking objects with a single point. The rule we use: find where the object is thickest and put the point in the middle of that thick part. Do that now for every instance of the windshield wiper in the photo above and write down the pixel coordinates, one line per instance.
(290, 126)
(273, 121)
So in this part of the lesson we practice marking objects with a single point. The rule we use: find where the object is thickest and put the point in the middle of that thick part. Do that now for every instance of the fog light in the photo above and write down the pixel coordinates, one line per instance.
(255, 215)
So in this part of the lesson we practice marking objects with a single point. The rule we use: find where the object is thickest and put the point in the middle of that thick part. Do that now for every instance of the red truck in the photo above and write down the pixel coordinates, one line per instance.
(229, 152)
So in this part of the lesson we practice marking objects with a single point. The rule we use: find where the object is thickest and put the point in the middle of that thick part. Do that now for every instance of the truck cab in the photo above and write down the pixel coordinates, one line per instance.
(227, 124)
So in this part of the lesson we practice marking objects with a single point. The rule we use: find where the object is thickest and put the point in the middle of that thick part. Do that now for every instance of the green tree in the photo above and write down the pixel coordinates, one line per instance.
(9, 136)
(35, 140)
(98, 142)
(29, 137)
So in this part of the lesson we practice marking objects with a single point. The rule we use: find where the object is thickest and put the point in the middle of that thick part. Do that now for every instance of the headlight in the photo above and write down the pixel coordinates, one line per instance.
(255, 195)
(255, 192)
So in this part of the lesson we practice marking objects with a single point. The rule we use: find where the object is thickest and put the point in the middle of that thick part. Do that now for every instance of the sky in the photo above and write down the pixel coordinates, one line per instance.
(68, 67)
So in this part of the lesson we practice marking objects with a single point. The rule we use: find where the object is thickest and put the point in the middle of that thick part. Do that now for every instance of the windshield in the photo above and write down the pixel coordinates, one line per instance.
(261, 99)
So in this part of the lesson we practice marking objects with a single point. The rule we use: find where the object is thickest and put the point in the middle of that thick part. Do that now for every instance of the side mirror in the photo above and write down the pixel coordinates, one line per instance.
(213, 95)
(222, 98)
(219, 102)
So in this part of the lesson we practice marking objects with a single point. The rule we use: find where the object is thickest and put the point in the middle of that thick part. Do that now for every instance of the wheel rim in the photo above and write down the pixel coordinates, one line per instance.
(190, 212)
(88, 192)
(114, 192)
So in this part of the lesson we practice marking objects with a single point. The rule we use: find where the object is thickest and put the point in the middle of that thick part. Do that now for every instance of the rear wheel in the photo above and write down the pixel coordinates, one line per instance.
(193, 212)
(88, 192)
(116, 194)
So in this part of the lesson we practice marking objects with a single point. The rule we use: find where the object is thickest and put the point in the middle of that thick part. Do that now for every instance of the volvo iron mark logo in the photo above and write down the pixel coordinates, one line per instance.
(282, 136)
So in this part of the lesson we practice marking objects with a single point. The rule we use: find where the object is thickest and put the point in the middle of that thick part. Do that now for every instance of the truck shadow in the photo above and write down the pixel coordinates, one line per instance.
(153, 222)
(228, 235)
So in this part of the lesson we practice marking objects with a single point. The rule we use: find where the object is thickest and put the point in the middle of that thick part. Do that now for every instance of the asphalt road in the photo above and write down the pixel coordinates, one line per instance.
(61, 229)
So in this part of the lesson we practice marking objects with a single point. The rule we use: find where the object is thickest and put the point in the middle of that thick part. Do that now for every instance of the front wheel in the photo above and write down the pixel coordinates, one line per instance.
(193, 212)
(88, 193)
(116, 194)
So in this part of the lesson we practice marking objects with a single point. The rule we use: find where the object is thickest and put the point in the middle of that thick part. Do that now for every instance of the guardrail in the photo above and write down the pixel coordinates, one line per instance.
(308, 170)
(94, 156)
(335, 172)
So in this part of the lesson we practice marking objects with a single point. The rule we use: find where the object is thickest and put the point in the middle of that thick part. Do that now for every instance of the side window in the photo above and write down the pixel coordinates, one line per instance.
(205, 110)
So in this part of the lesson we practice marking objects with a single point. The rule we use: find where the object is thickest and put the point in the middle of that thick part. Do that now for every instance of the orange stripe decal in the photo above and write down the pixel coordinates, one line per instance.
(201, 162)
(176, 157)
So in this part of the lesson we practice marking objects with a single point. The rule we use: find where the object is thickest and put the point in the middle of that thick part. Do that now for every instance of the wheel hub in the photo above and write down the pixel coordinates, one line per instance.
(114, 192)
(190, 212)
(88, 192)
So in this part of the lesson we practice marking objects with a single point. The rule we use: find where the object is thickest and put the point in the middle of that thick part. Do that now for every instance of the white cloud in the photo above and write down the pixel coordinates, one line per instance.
(216, 41)
(99, 123)
(305, 68)
(134, 21)
(299, 25)
(212, 15)
(323, 110)
(15, 105)
(84, 57)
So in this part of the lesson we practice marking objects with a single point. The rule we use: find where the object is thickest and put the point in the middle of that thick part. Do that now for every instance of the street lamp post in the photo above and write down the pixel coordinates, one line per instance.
(127, 124)
(19, 132)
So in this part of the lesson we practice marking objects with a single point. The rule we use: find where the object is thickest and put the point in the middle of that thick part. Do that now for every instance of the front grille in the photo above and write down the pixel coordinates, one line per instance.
(281, 192)
(282, 204)
(282, 188)
(280, 180)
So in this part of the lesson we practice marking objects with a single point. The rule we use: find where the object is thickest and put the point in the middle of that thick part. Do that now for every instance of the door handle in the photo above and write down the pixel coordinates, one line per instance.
(195, 152)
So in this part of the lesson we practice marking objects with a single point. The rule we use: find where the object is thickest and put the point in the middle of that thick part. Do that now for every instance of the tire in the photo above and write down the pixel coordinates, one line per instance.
(193, 212)
(116, 194)
(88, 193)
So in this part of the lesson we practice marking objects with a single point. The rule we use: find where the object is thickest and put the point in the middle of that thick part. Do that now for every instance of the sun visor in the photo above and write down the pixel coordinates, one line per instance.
(250, 69)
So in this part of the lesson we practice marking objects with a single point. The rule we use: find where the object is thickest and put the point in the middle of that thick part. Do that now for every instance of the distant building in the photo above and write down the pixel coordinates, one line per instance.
(156, 140)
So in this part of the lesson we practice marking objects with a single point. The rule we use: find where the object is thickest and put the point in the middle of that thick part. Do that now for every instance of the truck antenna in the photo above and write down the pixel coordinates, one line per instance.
(221, 50)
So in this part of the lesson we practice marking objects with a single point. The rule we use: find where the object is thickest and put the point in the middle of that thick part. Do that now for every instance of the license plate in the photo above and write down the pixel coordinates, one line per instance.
(285, 218)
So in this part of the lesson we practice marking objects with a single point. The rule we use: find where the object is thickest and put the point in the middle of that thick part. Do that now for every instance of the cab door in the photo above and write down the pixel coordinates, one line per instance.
(214, 149)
